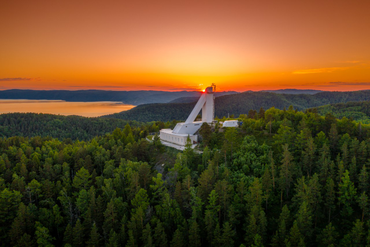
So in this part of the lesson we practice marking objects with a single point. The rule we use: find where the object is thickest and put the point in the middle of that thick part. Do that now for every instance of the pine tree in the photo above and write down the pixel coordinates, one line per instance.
(78, 234)
(330, 197)
(18, 226)
(273, 168)
(113, 239)
(325, 162)
(99, 212)
(122, 235)
(25, 241)
(283, 226)
(357, 233)
(333, 137)
(364, 180)
(309, 156)
(228, 234)
(147, 236)
(230, 142)
(194, 236)
(68, 235)
(131, 240)
(160, 237)
(211, 214)
(256, 224)
(304, 220)
(368, 235)
(266, 185)
(363, 202)
(347, 193)
(362, 152)
(257, 242)
(295, 237)
(205, 182)
(178, 195)
(82, 180)
(286, 176)
(206, 133)
(328, 236)
(345, 154)
(353, 170)
(178, 239)
(110, 216)
(43, 237)
(224, 190)
(94, 237)
(217, 240)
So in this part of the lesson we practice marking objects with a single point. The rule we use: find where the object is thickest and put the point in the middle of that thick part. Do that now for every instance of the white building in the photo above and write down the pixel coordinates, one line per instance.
(178, 136)
(230, 123)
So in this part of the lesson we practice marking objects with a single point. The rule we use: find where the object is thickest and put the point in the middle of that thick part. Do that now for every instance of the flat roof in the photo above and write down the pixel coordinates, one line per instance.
(169, 131)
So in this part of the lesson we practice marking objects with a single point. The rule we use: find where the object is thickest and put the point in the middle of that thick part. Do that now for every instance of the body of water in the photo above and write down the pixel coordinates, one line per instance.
(86, 109)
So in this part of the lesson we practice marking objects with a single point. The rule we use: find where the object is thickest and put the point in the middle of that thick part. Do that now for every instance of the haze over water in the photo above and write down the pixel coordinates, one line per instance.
(85, 109)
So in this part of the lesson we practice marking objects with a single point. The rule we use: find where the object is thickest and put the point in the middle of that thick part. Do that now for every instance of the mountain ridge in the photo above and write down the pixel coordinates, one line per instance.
(128, 97)
(240, 103)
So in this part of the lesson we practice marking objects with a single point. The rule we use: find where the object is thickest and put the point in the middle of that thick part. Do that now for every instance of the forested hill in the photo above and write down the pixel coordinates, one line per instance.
(293, 91)
(359, 111)
(240, 104)
(127, 97)
(61, 127)
(285, 178)
(185, 100)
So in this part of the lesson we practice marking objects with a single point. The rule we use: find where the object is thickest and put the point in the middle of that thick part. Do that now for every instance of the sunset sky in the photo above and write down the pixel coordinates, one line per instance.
(185, 45)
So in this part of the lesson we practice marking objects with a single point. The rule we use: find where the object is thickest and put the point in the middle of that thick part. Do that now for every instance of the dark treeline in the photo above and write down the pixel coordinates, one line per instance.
(57, 126)
(156, 112)
(285, 178)
(239, 104)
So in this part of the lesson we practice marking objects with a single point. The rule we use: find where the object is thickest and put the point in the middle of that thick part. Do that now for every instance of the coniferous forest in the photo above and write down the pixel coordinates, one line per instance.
(284, 178)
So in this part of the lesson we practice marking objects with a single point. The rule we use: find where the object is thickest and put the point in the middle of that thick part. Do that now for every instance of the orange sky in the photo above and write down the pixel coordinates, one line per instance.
(185, 45)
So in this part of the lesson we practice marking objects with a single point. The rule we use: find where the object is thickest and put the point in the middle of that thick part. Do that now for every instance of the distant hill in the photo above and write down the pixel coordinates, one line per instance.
(358, 111)
(240, 104)
(194, 99)
(185, 100)
(74, 127)
(127, 97)
(293, 91)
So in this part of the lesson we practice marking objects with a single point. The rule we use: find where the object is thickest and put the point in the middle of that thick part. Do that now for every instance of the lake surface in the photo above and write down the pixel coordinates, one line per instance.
(86, 109)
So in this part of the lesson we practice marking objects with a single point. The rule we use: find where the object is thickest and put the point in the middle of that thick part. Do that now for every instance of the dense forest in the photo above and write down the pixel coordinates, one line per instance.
(359, 111)
(239, 104)
(284, 178)
(57, 126)
(294, 91)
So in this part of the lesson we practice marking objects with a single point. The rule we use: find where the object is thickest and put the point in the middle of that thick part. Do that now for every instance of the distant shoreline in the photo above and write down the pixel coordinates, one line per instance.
(62, 107)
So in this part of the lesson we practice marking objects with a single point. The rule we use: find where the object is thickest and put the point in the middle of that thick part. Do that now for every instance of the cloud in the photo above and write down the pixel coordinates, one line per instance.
(320, 70)
(334, 84)
(340, 83)
(97, 86)
(353, 62)
(16, 79)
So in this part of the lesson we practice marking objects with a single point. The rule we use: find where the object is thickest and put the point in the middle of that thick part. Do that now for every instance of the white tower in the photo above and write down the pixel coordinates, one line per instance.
(182, 131)
(206, 104)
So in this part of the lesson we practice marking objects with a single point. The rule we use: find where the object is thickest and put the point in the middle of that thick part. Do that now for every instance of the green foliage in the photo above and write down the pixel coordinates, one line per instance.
(359, 111)
(43, 237)
(57, 126)
(285, 178)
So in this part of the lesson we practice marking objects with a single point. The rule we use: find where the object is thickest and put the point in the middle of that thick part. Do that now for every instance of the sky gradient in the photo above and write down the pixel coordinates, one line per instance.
(185, 45)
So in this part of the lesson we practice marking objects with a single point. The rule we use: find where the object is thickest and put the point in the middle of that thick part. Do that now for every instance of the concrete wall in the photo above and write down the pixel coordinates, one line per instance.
(177, 139)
